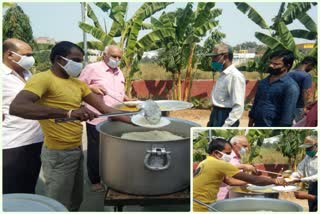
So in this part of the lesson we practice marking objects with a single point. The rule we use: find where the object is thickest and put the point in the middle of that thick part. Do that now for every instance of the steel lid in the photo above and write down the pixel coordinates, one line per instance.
(21, 202)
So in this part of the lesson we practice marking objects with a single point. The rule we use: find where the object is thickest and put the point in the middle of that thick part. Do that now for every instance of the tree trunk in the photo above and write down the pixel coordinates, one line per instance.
(186, 90)
(179, 85)
(174, 86)
(128, 83)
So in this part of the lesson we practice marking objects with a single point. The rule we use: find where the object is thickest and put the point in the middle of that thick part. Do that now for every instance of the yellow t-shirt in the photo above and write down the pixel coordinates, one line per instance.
(59, 93)
(207, 180)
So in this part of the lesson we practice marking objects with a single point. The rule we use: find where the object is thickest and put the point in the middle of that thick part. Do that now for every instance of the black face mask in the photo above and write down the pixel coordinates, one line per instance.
(274, 71)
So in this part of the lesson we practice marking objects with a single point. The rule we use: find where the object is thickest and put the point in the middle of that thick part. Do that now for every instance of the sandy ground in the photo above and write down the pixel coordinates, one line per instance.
(201, 116)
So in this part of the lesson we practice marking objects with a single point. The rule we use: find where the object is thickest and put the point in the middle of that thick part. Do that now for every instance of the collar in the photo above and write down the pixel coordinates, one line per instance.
(234, 156)
(8, 71)
(228, 69)
(282, 79)
(111, 70)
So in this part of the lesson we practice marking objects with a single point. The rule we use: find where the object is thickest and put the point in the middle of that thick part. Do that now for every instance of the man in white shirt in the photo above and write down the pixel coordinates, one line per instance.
(307, 171)
(228, 93)
(21, 139)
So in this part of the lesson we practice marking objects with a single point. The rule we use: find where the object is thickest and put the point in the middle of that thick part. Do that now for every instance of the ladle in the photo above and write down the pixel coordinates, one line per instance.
(206, 205)
(149, 108)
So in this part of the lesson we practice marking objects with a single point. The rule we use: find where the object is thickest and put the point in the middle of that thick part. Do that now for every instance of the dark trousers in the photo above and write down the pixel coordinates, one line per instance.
(21, 167)
(93, 154)
(218, 116)
(313, 190)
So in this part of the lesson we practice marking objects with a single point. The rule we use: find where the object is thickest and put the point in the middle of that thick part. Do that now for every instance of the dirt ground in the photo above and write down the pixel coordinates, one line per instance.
(201, 116)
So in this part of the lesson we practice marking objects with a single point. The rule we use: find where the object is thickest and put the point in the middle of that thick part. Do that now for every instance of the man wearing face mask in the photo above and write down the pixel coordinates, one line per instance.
(103, 77)
(240, 146)
(228, 93)
(276, 97)
(307, 171)
(58, 94)
(304, 80)
(215, 169)
(22, 139)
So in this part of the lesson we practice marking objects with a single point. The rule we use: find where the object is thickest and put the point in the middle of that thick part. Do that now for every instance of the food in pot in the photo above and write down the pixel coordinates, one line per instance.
(151, 136)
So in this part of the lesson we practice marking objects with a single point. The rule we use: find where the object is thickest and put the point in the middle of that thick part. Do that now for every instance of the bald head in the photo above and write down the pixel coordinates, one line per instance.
(239, 142)
(14, 45)
(112, 55)
(13, 49)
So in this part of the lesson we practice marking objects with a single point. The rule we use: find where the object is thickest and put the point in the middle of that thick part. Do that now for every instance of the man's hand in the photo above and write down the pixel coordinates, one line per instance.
(83, 114)
(280, 181)
(249, 167)
(301, 195)
(98, 90)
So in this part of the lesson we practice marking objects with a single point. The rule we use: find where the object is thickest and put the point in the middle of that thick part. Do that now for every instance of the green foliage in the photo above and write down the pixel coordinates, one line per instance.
(16, 24)
(247, 45)
(200, 103)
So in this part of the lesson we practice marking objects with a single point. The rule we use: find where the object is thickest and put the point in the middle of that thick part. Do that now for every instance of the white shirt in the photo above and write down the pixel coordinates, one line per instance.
(229, 92)
(308, 166)
(16, 131)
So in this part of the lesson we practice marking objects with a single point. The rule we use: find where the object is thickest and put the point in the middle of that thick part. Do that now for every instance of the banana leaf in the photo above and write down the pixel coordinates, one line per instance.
(252, 14)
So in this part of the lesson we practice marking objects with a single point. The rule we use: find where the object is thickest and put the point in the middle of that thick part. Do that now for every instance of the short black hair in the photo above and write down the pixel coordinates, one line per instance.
(309, 60)
(217, 144)
(286, 55)
(63, 49)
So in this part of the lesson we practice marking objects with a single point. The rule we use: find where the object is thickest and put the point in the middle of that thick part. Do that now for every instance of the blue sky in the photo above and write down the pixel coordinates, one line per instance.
(60, 20)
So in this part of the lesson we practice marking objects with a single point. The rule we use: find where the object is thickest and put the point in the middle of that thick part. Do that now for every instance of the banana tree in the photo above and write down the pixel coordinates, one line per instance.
(280, 37)
(126, 31)
(190, 26)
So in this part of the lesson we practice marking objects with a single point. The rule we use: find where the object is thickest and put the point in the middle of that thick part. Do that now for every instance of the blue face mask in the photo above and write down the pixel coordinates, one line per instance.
(217, 66)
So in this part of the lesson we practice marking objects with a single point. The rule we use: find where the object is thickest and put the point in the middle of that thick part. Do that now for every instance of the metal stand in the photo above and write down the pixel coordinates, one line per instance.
(119, 200)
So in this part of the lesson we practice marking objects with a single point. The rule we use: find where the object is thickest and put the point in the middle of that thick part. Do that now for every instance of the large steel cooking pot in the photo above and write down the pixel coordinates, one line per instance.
(145, 167)
(256, 204)
(240, 192)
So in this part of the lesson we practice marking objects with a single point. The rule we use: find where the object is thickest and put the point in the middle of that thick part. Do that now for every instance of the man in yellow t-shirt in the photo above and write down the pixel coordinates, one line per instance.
(58, 94)
(215, 169)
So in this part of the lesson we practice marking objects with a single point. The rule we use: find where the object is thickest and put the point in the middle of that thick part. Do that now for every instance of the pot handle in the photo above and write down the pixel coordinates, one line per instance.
(160, 153)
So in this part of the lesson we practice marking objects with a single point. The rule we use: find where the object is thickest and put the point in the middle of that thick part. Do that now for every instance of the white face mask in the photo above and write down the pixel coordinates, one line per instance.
(242, 151)
(25, 62)
(113, 63)
(225, 157)
(72, 68)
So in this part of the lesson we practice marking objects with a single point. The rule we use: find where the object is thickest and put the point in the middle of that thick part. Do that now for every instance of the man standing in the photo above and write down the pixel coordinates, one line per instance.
(308, 168)
(103, 77)
(228, 93)
(22, 139)
(240, 146)
(214, 170)
(58, 94)
(304, 80)
(277, 95)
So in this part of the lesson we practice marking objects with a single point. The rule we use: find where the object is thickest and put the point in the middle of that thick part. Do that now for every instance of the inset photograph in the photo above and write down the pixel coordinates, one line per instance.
(255, 170)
